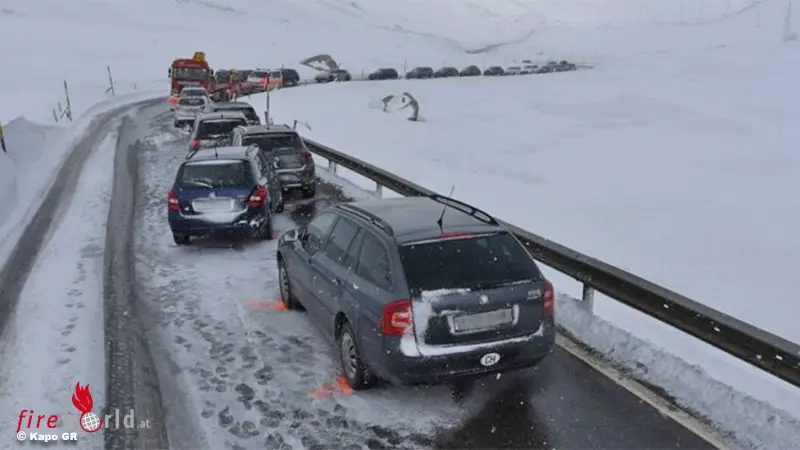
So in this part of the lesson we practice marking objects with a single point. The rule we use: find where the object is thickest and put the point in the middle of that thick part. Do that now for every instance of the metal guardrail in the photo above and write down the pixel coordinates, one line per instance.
(757, 347)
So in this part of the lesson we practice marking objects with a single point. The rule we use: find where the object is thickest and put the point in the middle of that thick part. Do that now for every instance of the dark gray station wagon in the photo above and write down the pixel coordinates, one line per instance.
(418, 290)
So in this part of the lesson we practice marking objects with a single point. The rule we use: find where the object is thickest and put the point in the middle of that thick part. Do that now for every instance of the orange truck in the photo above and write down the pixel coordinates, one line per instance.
(193, 71)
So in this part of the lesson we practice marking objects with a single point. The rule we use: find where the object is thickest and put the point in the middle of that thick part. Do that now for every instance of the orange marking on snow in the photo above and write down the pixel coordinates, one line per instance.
(344, 385)
(278, 305)
(340, 385)
(326, 390)
(275, 305)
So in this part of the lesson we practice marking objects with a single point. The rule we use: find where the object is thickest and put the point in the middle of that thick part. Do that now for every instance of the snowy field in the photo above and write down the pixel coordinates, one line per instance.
(673, 158)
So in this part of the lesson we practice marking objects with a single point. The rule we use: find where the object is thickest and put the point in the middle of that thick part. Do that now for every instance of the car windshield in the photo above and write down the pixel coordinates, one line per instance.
(272, 141)
(221, 76)
(248, 111)
(259, 74)
(184, 73)
(477, 262)
(192, 101)
(216, 174)
(217, 128)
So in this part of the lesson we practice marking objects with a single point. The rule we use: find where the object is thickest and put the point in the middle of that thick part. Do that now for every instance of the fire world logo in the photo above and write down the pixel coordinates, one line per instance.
(82, 399)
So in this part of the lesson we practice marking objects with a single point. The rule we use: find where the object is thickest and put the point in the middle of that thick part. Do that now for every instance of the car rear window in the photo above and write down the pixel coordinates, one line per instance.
(248, 111)
(273, 141)
(475, 262)
(217, 128)
(259, 74)
(192, 101)
(216, 174)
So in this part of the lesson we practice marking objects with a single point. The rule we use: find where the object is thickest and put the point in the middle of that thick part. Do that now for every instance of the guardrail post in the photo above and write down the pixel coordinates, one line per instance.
(588, 298)
(332, 166)
(378, 190)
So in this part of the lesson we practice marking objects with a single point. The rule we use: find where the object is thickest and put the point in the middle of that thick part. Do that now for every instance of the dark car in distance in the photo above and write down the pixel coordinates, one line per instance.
(446, 72)
(419, 73)
(494, 71)
(418, 290)
(470, 71)
(385, 73)
(226, 190)
(289, 77)
(329, 76)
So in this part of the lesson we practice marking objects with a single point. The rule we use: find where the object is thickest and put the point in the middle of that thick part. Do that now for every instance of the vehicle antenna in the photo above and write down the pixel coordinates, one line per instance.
(440, 222)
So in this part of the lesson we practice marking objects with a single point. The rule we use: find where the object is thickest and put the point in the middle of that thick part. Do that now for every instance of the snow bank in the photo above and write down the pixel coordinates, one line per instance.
(753, 422)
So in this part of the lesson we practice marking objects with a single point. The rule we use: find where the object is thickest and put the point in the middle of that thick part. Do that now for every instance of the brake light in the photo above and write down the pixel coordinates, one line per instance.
(172, 202)
(195, 144)
(396, 319)
(455, 234)
(306, 155)
(549, 298)
(257, 198)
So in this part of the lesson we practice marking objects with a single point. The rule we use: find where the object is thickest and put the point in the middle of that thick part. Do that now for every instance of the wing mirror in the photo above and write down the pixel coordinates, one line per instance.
(291, 235)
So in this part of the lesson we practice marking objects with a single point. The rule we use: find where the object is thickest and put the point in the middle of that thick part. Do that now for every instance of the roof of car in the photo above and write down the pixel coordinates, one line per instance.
(415, 218)
(266, 129)
(231, 105)
(221, 115)
(207, 154)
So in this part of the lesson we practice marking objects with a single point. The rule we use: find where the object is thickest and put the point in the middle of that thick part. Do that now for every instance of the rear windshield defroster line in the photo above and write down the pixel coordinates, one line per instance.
(215, 174)
(480, 262)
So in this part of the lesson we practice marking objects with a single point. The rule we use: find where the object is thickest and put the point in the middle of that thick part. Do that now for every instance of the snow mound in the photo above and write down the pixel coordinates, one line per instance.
(754, 423)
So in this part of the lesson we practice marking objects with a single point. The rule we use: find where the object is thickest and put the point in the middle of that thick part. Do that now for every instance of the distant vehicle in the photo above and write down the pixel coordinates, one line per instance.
(243, 107)
(494, 71)
(187, 110)
(547, 68)
(530, 68)
(194, 71)
(286, 151)
(333, 75)
(420, 73)
(192, 92)
(222, 76)
(446, 72)
(411, 295)
(564, 66)
(288, 77)
(470, 71)
(214, 129)
(223, 190)
(261, 79)
(514, 70)
(384, 74)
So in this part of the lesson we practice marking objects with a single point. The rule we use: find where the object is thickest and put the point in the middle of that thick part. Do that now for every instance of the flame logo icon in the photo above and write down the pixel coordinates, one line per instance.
(82, 399)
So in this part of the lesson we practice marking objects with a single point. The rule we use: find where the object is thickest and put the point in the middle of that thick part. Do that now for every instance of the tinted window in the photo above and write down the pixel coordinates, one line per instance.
(270, 142)
(216, 174)
(217, 128)
(475, 262)
(316, 231)
(373, 262)
(259, 74)
(248, 111)
(343, 234)
(192, 101)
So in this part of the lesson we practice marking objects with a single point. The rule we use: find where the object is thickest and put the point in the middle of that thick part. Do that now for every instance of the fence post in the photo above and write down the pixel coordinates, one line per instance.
(110, 82)
(2, 138)
(588, 298)
(67, 111)
(378, 190)
(55, 116)
(331, 166)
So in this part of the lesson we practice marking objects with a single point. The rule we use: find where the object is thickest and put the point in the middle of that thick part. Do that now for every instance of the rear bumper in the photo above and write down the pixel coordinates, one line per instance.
(398, 368)
(246, 223)
(297, 180)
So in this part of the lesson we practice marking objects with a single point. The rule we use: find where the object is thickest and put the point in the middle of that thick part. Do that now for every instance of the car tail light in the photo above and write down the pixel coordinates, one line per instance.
(172, 202)
(306, 155)
(455, 234)
(257, 198)
(195, 144)
(549, 298)
(397, 320)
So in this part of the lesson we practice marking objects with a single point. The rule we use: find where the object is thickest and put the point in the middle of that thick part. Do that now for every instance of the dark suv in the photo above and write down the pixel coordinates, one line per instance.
(384, 74)
(289, 77)
(286, 152)
(223, 190)
(418, 289)
(420, 73)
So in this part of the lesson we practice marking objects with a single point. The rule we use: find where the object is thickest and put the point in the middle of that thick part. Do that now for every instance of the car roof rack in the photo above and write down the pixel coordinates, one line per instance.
(483, 216)
(369, 217)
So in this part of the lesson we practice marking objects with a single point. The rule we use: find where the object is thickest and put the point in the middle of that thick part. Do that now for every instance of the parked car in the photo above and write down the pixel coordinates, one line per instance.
(384, 74)
(564, 66)
(494, 71)
(418, 289)
(288, 77)
(287, 153)
(446, 72)
(470, 71)
(214, 129)
(243, 107)
(420, 73)
(223, 191)
(333, 75)
(187, 109)
(514, 70)
(529, 69)
(260, 79)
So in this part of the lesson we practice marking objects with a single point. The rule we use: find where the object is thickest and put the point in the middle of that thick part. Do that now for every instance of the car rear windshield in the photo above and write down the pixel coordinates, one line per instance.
(192, 101)
(217, 128)
(248, 111)
(259, 74)
(272, 141)
(476, 262)
(216, 174)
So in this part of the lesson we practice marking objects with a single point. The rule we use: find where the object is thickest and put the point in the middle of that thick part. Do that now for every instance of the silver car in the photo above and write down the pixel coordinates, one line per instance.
(187, 110)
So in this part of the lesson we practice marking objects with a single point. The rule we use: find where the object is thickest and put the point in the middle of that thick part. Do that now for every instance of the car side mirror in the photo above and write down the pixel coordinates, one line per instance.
(292, 235)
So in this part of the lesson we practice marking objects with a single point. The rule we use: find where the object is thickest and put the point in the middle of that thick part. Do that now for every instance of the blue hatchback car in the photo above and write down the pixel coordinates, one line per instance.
(227, 190)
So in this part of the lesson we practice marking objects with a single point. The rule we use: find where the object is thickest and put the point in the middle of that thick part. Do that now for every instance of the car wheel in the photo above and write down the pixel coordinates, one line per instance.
(353, 366)
(287, 298)
(266, 230)
(181, 239)
(309, 192)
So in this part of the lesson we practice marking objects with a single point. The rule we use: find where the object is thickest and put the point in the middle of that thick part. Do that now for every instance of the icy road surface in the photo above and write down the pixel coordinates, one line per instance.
(237, 373)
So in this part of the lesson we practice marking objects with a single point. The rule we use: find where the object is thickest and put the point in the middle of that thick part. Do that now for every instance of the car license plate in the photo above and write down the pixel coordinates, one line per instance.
(482, 321)
(213, 205)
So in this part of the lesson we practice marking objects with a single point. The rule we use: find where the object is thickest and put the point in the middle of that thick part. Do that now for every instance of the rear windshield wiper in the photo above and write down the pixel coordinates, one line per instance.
(199, 184)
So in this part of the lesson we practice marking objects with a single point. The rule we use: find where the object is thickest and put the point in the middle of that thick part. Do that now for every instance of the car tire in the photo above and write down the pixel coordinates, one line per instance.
(181, 239)
(353, 368)
(266, 231)
(309, 192)
(287, 298)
